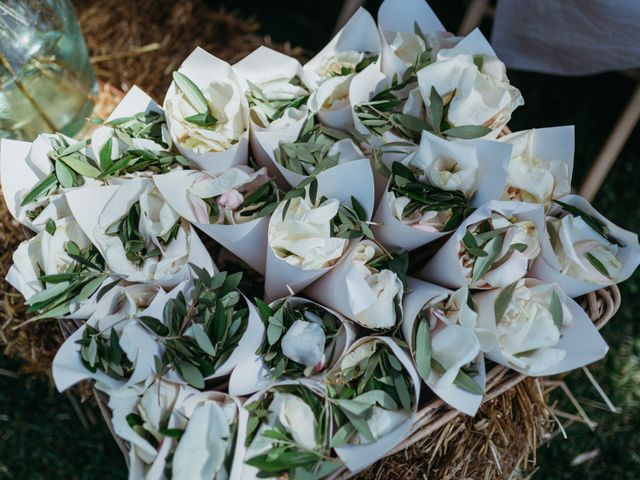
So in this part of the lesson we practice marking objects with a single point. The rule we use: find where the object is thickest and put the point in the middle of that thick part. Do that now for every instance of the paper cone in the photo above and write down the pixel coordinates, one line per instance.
(582, 341)
(252, 375)
(420, 294)
(202, 68)
(248, 241)
(445, 269)
(547, 266)
(400, 16)
(358, 457)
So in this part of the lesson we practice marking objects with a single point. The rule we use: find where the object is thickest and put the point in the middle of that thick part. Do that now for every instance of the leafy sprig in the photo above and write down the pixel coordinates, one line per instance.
(428, 198)
(204, 118)
(135, 246)
(70, 167)
(101, 351)
(483, 247)
(383, 112)
(422, 351)
(367, 60)
(78, 282)
(200, 335)
(379, 379)
(273, 109)
(309, 153)
(598, 226)
(278, 320)
(286, 458)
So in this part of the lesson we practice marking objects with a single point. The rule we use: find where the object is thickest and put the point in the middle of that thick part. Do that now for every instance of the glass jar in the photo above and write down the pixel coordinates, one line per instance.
(47, 83)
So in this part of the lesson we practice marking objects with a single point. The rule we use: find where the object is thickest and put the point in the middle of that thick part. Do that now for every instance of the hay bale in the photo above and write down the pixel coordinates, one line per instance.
(500, 442)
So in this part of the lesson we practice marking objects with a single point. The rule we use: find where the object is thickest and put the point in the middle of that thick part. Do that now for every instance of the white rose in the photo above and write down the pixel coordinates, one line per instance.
(278, 90)
(304, 343)
(382, 422)
(44, 254)
(294, 416)
(205, 443)
(355, 356)
(156, 219)
(332, 78)
(475, 95)
(303, 238)
(154, 406)
(454, 347)
(527, 333)
(229, 189)
(385, 285)
(456, 310)
(408, 47)
(576, 242)
(225, 102)
(531, 178)
(446, 165)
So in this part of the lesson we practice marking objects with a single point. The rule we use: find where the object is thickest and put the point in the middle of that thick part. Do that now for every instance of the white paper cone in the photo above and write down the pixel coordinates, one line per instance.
(261, 65)
(135, 101)
(582, 341)
(202, 68)
(547, 266)
(360, 34)
(187, 407)
(251, 374)
(68, 369)
(548, 144)
(19, 173)
(445, 268)
(282, 278)
(420, 294)
(399, 16)
(247, 240)
(86, 205)
(247, 471)
(358, 457)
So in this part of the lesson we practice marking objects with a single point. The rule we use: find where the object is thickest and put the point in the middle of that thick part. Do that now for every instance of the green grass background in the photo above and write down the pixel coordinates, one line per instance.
(41, 438)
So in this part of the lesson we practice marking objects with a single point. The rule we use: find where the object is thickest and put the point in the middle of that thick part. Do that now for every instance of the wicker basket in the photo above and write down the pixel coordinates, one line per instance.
(433, 413)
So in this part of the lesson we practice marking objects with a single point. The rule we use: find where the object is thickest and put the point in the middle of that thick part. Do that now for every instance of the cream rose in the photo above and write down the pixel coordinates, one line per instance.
(331, 80)
(427, 221)
(530, 326)
(475, 88)
(304, 342)
(225, 193)
(385, 286)
(531, 178)
(581, 250)
(207, 441)
(303, 238)
(446, 165)
(226, 105)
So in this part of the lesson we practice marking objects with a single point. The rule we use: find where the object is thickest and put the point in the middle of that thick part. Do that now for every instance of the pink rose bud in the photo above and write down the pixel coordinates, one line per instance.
(230, 199)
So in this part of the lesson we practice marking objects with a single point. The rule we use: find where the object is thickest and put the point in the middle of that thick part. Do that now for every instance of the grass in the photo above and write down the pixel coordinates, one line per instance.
(40, 435)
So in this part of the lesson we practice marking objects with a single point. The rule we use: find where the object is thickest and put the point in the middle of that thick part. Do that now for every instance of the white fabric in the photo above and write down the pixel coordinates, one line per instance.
(568, 37)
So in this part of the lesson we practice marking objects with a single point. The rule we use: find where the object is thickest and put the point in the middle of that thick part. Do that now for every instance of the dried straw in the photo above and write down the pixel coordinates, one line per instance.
(498, 443)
